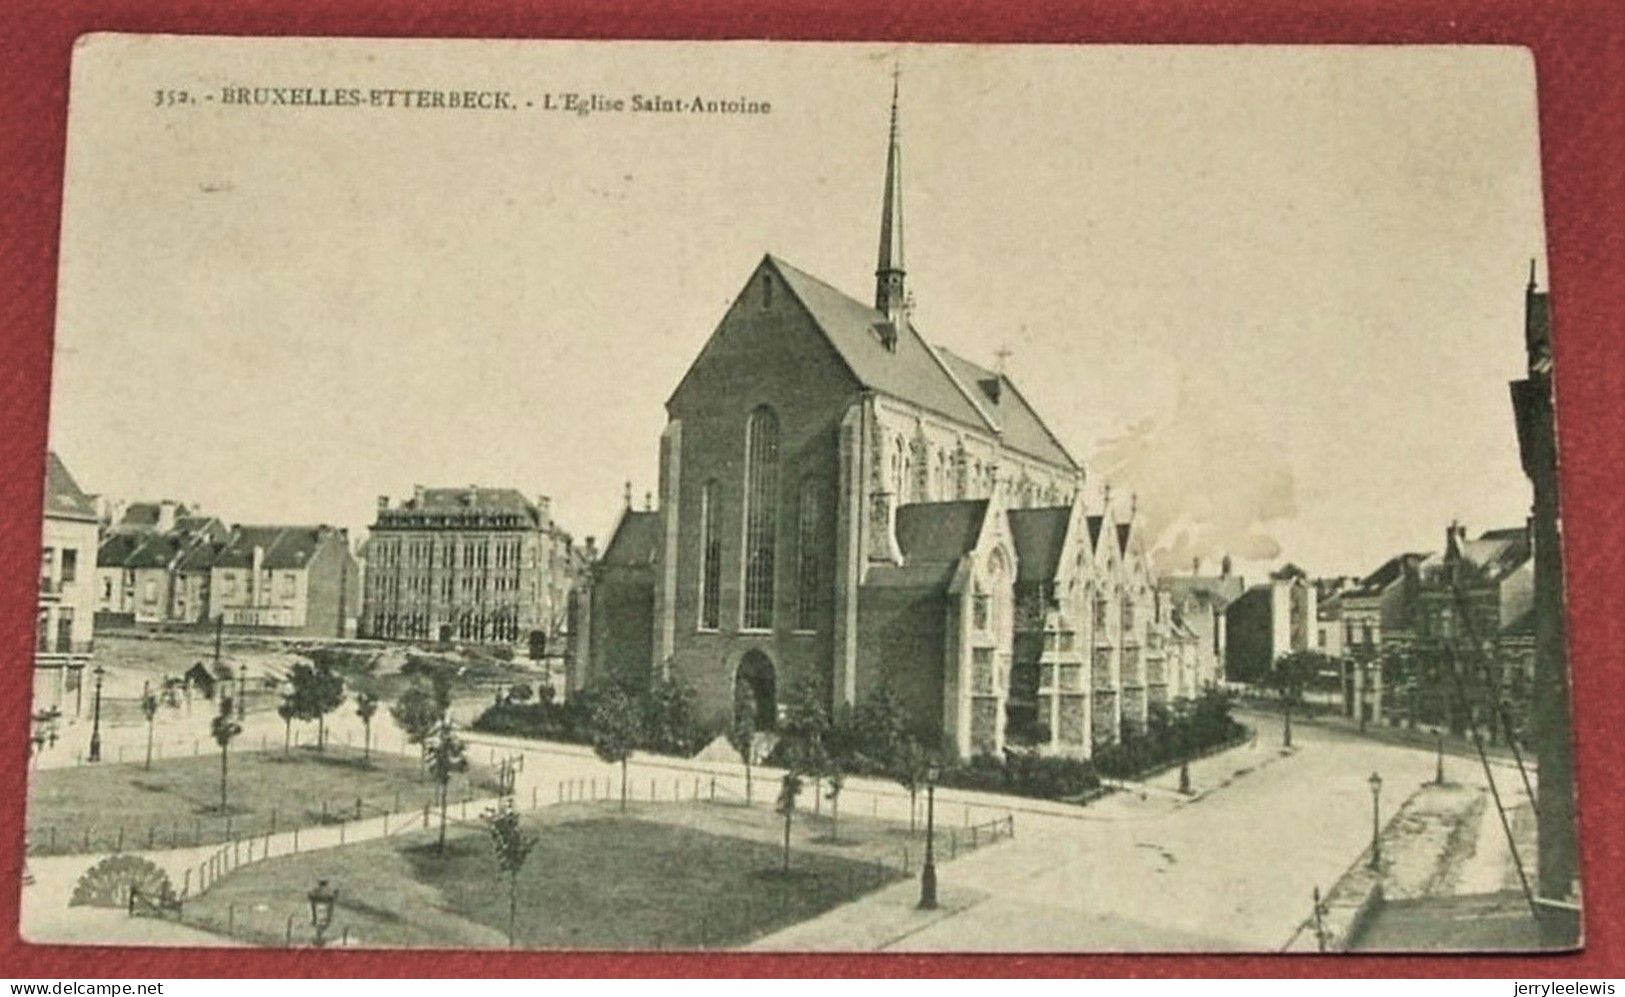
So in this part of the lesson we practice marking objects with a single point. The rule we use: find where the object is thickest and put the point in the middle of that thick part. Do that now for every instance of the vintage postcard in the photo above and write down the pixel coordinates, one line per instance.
(801, 497)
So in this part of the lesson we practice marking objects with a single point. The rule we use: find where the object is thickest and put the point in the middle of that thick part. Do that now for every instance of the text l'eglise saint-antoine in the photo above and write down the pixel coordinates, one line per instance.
(597, 103)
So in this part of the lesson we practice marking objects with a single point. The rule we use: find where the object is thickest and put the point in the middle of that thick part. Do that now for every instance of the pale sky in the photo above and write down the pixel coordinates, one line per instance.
(1276, 292)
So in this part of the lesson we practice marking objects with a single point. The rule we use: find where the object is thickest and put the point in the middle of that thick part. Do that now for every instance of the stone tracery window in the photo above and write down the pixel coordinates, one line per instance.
(710, 559)
(761, 516)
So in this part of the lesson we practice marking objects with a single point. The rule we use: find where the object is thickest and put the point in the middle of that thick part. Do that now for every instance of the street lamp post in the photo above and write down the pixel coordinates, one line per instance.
(96, 721)
(242, 690)
(322, 899)
(928, 873)
(1438, 769)
(1376, 827)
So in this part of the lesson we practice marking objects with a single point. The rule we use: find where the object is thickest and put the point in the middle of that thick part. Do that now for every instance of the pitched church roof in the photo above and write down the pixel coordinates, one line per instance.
(939, 532)
(1039, 535)
(909, 370)
(636, 541)
(1020, 426)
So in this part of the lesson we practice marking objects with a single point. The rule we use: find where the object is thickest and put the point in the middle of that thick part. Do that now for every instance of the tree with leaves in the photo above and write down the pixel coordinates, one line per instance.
(317, 691)
(444, 754)
(420, 708)
(742, 732)
(366, 704)
(512, 847)
(804, 726)
(616, 730)
(789, 789)
(149, 709)
(1289, 677)
(224, 728)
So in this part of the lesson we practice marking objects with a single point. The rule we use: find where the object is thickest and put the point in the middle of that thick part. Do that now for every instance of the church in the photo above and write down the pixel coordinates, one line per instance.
(843, 504)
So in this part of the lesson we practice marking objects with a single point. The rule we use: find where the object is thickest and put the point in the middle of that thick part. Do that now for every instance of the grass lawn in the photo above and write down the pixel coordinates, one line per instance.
(176, 802)
(687, 875)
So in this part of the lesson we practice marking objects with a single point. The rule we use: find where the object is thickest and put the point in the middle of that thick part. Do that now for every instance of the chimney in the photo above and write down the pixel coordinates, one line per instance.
(544, 511)
(1224, 566)
(383, 501)
(166, 515)
(648, 501)
(590, 549)
(417, 493)
(1196, 566)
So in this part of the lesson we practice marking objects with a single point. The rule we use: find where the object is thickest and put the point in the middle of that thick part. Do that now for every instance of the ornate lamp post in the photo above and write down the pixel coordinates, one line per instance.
(928, 874)
(1375, 782)
(96, 721)
(322, 899)
(242, 690)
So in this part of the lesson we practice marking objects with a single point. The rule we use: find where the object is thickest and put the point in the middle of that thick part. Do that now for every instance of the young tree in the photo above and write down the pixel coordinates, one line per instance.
(908, 769)
(444, 754)
(1289, 677)
(317, 691)
(804, 726)
(149, 709)
(285, 710)
(789, 789)
(615, 730)
(837, 756)
(512, 847)
(224, 728)
(366, 704)
(742, 732)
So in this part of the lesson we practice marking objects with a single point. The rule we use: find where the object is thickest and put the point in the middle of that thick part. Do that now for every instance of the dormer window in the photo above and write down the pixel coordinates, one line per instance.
(990, 387)
(886, 333)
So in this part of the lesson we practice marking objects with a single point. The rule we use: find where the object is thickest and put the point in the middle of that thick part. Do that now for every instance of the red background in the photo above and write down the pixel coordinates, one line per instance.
(1579, 48)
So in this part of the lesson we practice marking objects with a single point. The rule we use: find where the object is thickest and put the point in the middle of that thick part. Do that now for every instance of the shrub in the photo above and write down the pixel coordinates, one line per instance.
(1024, 774)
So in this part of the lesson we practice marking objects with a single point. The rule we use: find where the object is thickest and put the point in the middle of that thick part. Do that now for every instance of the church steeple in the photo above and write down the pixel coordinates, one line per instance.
(890, 295)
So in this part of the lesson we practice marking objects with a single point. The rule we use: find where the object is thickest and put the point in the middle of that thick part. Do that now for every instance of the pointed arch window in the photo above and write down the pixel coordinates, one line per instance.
(808, 544)
(761, 516)
(710, 559)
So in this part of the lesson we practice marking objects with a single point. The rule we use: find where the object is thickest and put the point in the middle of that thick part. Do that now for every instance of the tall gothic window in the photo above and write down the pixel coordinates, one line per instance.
(710, 559)
(761, 516)
(807, 544)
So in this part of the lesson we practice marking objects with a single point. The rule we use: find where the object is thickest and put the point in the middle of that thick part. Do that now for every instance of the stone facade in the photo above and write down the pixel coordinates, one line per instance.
(480, 565)
(844, 506)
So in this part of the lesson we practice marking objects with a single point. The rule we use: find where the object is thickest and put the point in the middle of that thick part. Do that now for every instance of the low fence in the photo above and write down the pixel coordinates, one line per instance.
(857, 875)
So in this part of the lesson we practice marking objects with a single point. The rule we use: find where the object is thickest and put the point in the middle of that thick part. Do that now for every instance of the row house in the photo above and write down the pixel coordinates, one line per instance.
(65, 625)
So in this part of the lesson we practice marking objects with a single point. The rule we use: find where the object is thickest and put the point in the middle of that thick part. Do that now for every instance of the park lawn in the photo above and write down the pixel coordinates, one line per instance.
(688, 875)
(176, 803)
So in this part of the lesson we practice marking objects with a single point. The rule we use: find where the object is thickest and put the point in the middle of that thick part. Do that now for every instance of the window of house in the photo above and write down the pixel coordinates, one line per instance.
(1100, 613)
(64, 629)
(807, 546)
(710, 559)
(46, 564)
(70, 565)
(288, 585)
(761, 516)
(981, 606)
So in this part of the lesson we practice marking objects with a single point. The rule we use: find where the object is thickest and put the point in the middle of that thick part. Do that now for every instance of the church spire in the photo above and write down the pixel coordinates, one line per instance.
(889, 292)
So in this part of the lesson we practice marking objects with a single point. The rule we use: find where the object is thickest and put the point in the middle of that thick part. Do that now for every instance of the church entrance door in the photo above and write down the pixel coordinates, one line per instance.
(755, 687)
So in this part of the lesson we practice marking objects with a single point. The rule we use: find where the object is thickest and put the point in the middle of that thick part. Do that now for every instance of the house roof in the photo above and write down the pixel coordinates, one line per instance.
(1497, 553)
(1039, 535)
(63, 496)
(115, 551)
(1390, 572)
(636, 541)
(158, 550)
(282, 547)
(917, 372)
(1021, 428)
(940, 532)
(1221, 590)
(469, 501)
